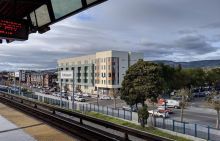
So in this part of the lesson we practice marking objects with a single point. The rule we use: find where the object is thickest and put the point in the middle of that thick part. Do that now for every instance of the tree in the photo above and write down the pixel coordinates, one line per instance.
(213, 77)
(142, 80)
(214, 102)
(184, 93)
(143, 115)
(115, 94)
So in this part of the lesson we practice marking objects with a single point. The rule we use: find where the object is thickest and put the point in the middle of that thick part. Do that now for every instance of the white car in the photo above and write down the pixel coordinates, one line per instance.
(157, 113)
(105, 97)
(80, 99)
(85, 95)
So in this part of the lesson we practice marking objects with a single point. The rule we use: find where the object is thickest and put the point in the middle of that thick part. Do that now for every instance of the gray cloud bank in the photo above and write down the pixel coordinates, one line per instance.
(182, 30)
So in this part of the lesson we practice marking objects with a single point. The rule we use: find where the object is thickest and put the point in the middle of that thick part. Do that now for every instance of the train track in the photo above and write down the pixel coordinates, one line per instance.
(63, 120)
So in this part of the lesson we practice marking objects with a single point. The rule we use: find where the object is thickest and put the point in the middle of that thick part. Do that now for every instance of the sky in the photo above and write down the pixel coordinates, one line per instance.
(176, 30)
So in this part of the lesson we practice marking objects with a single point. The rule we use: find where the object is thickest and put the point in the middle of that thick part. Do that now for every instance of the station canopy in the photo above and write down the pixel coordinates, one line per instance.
(19, 18)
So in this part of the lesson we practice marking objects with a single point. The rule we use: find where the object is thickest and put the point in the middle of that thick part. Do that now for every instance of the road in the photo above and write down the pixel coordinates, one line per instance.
(196, 115)
(196, 112)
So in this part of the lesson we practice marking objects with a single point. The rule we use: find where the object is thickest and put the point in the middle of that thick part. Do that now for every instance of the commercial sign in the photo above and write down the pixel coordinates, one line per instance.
(13, 29)
(66, 74)
(17, 74)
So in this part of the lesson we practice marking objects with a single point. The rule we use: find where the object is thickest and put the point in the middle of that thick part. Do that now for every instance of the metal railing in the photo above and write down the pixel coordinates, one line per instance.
(196, 130)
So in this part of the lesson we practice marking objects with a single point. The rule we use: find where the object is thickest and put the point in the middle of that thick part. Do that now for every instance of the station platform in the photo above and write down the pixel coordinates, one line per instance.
(23, 127)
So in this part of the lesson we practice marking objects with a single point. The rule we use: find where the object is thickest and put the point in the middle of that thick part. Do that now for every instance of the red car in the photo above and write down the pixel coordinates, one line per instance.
(164, 110)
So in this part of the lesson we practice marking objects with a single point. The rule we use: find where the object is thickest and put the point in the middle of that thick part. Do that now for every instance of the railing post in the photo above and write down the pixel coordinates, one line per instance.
(94, 107)
(126, 137)
(184, 128)
(81, 121)
(83, 107)
(124, 113)
(163, 123)
(195, 130)
(90, 107)
(107, 110)
(118, 112)
(173, 125)
(208, 133)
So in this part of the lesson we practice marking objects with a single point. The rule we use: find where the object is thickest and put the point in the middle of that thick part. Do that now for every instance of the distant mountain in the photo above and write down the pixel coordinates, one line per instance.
(193, 64)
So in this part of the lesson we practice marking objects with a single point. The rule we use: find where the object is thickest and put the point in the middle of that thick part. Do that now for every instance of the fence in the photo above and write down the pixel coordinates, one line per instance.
(200, 131)
(120, 113)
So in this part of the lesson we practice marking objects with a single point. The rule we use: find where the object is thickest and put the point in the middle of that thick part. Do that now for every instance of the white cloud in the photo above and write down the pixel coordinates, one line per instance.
(180, 30)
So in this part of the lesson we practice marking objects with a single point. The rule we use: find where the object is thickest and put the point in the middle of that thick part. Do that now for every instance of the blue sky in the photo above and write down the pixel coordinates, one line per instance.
(182, 30)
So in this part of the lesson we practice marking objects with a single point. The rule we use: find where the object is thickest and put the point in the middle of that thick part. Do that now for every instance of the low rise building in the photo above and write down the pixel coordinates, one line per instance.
(99, 72)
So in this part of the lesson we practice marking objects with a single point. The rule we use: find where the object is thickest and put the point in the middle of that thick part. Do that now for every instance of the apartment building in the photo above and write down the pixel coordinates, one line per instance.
(97, 73)
(41, 79)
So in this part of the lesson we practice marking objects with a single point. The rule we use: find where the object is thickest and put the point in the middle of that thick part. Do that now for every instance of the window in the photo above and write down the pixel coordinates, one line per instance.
(67, 68)
(42, 15)
(64, 7)
(109, 75)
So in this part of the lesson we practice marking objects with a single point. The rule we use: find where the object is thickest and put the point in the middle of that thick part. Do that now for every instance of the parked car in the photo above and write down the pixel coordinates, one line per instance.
(105, 97)
(158, 113)
(86, 95)
(170, 103)
(164, 109)
(80, 99)
(128, 108)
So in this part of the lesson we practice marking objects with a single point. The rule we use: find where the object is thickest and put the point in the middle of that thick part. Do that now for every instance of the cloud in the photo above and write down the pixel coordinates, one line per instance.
(162, 29)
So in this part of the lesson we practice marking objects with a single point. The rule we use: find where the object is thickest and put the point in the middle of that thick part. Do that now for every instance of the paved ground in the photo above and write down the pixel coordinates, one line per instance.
(9, 132)
(39, 131)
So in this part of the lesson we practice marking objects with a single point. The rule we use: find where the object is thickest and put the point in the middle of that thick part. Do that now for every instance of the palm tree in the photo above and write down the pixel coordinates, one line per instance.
(214, 102)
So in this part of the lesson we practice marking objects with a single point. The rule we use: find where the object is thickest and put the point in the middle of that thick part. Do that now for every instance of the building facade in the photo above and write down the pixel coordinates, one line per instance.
(41, 79)
(98, 73)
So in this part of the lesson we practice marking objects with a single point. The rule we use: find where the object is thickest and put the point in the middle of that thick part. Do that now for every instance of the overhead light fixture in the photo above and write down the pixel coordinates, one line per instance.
(9, 41)
(43, 30)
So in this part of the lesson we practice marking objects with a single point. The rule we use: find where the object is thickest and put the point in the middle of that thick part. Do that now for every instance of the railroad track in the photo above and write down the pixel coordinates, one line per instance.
(63, 120)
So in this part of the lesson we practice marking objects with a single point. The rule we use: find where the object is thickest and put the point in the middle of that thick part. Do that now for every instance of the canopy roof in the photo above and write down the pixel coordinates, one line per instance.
(39, 14)
(18, 8)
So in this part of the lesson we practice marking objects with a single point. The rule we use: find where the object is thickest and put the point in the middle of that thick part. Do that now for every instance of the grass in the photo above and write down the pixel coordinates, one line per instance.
(151, 130)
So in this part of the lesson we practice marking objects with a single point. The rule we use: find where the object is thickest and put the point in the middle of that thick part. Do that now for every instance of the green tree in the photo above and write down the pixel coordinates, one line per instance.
(142, 80)
(143, 115)
(213, 77)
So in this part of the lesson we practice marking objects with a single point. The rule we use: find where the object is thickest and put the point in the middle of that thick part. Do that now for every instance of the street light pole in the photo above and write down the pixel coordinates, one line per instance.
(61, 93)
(73, 90)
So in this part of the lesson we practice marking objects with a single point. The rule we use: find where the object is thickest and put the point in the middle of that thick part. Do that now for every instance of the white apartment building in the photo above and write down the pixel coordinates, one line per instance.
(98, 73)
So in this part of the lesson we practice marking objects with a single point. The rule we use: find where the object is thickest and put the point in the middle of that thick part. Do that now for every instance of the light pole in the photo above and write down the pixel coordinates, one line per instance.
(73, 90)
(60, 92)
